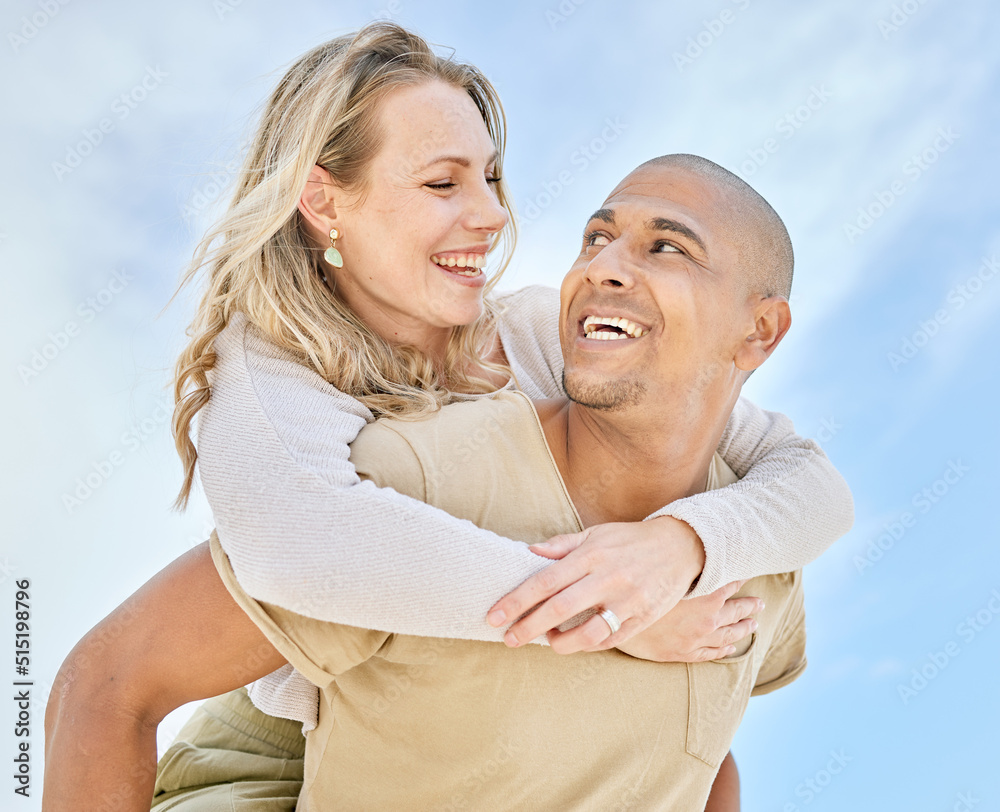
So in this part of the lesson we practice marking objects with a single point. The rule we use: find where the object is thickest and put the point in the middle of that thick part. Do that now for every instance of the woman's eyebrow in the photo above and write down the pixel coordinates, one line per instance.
(665, 224)
(461, 160)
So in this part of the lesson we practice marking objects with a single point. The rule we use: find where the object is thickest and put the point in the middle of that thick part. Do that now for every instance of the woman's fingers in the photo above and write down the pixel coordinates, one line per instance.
(565, 605)
(537, 588)
(558, 546)
(591, 635)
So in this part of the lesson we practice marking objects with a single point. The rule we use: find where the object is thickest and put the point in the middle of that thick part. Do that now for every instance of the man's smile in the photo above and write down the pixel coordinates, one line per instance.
(606, 328)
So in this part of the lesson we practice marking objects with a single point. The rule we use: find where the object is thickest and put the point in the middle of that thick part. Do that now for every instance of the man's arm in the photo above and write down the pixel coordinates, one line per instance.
(180, 638)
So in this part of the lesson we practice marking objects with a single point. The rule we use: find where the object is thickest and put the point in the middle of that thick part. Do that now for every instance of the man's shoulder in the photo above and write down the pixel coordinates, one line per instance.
(466, 423)
(483, 460)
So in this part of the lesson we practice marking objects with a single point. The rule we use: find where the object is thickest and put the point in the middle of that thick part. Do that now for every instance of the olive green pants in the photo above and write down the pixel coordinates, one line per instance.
(231, 757)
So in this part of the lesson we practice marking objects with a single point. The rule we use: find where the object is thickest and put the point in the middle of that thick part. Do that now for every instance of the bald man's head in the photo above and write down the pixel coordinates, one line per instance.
(765, 249)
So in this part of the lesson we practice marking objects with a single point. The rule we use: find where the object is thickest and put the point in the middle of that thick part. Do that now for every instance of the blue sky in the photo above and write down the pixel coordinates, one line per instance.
(871, 127)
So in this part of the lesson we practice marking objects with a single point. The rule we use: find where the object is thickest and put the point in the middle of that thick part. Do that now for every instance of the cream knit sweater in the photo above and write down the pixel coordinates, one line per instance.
(303, 532)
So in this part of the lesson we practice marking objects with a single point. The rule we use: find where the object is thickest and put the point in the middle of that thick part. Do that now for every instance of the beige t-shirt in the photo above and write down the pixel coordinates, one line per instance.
(427, 723)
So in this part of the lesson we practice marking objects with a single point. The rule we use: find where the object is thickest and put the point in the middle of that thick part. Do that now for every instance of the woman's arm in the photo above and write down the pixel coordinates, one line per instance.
(178, 639)
(301, 529)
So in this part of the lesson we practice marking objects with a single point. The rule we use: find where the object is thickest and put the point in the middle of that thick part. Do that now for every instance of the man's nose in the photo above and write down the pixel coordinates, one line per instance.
(610, 268)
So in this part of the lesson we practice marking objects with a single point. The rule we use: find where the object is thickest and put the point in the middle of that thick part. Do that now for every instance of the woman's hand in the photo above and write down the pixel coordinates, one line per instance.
(698, 629)
(638, 570)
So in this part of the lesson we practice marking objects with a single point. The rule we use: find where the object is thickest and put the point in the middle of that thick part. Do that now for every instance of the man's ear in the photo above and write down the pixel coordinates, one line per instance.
(316, 203)
(772, 318)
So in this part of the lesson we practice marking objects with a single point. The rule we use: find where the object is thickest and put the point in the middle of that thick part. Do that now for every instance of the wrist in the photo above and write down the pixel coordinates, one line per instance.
(689, 549)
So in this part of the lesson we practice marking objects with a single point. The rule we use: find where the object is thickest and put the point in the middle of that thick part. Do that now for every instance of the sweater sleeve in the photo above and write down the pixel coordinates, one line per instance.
(303, 532)
(790, 505)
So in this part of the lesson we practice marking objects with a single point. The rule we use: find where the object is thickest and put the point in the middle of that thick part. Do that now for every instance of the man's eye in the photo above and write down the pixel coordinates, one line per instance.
(596, 238)
(666, 248)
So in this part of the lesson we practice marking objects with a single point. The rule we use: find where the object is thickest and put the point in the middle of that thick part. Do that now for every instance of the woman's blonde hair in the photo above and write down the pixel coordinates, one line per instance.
(261, 262)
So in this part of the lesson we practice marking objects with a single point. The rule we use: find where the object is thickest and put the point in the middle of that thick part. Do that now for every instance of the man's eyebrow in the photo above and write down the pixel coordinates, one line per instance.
(607, 215)
(665, 224)
(461, 160)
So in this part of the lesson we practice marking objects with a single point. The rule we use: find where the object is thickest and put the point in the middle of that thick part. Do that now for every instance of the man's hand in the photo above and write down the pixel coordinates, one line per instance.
(638, 570)
(698, 629)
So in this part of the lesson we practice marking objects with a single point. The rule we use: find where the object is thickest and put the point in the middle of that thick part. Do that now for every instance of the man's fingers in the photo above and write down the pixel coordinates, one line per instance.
(703, 655)
(736, 609)
(733, 633)
(540, 586)
(730, 589)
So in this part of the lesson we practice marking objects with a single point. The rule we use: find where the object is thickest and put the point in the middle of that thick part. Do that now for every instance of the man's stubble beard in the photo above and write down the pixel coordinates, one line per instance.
(606, 395)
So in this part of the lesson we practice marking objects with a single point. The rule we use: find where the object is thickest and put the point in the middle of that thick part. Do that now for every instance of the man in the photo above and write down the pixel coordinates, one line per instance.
(679, 293)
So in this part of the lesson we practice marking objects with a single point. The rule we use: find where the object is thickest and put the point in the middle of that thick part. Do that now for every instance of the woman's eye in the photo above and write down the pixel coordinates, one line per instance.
(444, 185)
(596, 239)
(493, 180)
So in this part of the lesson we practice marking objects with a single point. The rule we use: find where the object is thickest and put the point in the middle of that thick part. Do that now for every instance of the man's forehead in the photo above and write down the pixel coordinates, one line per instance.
(649, 193)
(666, 186)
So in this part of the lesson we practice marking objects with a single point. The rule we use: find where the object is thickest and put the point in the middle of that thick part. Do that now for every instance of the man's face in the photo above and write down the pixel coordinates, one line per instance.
(656, 261)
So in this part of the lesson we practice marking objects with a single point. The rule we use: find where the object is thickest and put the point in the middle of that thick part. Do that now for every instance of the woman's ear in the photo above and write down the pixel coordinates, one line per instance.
(316, 202)
(772, 318)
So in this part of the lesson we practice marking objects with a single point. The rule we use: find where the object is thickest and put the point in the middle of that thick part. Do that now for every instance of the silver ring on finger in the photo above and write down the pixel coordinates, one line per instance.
(611, 619)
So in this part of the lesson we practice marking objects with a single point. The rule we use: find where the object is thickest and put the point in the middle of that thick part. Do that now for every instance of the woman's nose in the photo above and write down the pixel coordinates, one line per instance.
(488, 214)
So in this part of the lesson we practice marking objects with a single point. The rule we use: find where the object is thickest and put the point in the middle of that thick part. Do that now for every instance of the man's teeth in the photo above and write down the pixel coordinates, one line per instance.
(629, 328)
(473, 263)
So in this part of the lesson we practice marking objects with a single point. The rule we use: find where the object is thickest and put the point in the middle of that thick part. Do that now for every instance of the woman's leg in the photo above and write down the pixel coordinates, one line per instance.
(231, 756)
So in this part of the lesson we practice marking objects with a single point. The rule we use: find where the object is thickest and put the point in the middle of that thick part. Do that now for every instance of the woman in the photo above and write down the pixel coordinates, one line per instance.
(303, 350)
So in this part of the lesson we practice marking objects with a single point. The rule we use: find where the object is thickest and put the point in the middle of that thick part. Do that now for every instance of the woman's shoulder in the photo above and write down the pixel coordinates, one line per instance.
(529, 301)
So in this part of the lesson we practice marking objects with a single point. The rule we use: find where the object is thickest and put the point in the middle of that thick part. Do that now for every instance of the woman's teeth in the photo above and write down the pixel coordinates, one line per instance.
(472, 264)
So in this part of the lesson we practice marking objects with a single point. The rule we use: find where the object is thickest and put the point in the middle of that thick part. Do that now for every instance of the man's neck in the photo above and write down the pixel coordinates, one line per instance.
(621, 467)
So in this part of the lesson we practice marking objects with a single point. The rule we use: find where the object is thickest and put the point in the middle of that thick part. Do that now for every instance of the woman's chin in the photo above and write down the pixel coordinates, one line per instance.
(463, 313)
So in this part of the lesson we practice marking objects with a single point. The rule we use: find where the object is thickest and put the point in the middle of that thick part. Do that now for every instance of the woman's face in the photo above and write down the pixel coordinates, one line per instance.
(414, 243)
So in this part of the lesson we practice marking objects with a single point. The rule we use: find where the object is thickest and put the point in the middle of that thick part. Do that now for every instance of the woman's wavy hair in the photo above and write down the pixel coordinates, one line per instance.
(260, 261)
